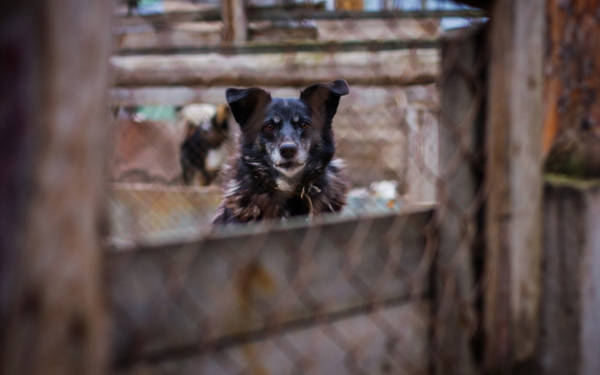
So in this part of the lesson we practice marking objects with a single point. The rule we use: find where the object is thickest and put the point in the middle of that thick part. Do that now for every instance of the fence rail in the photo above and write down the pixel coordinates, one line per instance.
(229, 291)
(292, 13)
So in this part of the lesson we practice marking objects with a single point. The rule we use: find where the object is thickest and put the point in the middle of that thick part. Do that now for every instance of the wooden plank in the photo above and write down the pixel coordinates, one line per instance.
(459, 197)
(182, 35)
(175, 212)
(235, 24)
(373, 98)
(192, 295)
(53, 147)
(393, 339)
(572, 107)
(571, 264)
(514, 182)
(199, 35)
(258, 15)
(301, 11)
(386, 68)
(288, 47)
(125, 23)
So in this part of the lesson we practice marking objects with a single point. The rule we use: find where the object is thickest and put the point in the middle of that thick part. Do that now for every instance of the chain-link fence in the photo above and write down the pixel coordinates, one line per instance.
(371, 289)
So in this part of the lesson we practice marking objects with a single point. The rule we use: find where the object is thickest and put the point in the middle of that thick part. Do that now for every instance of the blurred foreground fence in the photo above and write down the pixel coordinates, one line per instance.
(453, 255)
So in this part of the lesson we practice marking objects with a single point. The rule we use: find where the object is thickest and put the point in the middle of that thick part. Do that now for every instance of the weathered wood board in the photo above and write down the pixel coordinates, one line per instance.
(461, 128)
(514, 182)
(388, 340)
(150, 213)
(187, 296)
(400, 67)
(53, 118)
(570, 332)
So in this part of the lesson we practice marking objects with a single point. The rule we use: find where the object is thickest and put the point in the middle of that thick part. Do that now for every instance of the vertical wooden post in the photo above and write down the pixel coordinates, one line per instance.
(572, 104)
(460, 148)
(571, 304)
(514, 183)
(235, 24)
(53, 116)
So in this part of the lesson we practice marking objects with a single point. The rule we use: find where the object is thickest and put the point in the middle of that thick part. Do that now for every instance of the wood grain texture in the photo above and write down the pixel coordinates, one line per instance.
(572, 106)
(514, 132)
(190, 297)
(235, 23)
(53, 315)
(460, 144)
(571, 264)
(387, 340)
(385, 68)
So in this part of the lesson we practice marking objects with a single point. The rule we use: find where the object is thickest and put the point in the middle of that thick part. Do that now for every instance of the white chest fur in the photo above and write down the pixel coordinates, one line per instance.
(215, 158)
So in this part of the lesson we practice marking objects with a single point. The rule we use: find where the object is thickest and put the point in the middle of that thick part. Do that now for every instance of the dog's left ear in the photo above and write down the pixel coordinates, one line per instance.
(244, 103)
(324, 98)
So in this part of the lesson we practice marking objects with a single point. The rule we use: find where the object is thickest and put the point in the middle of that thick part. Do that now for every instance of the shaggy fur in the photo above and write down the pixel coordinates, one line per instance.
(285, 165)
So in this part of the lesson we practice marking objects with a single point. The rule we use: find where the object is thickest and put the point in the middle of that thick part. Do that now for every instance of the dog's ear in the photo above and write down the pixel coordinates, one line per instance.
(245, 102)
(325, 97)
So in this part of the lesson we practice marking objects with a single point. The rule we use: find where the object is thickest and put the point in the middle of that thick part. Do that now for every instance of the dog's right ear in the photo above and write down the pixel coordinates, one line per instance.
(245, 102)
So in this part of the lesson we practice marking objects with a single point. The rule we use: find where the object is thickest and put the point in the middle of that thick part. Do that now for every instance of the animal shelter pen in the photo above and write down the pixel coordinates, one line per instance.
(453, 255)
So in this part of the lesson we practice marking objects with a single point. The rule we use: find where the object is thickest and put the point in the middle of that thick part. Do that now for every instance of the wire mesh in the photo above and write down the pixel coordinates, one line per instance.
(362, 291)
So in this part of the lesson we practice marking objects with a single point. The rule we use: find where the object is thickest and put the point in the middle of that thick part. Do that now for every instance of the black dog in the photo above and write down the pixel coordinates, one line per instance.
(285, 166)
(204, 147)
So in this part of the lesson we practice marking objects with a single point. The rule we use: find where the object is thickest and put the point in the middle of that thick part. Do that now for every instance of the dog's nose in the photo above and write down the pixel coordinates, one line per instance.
(288, 150)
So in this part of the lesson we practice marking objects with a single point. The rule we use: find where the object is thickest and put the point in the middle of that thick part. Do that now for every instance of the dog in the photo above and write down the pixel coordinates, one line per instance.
(285, 164)
(204, 147)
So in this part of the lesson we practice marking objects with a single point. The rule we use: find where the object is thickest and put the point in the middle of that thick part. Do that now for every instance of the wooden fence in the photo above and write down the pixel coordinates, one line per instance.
(499, 276)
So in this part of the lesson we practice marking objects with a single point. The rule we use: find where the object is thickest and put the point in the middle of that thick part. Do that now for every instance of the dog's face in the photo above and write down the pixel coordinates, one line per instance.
(287, 137)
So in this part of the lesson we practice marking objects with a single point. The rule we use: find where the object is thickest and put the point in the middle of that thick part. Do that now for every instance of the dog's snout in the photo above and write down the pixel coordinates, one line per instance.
(288, 150)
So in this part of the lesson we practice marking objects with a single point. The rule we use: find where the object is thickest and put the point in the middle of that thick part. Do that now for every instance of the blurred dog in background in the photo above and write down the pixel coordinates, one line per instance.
(204, 148)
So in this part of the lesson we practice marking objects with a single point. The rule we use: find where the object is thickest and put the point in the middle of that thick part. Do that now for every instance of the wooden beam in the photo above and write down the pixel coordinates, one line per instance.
(52, 314)
(235, 23)
(283, 69)
(258, 14)
(400, 348)
(570, 305)
(514, 183)
(304, 11)
(572, 105)
(462, 89)
(288, 47)
(255, 281)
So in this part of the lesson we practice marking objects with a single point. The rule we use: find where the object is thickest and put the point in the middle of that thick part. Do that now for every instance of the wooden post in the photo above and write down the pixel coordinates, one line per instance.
(235, 25)
(572, 104)
(514, 183)
(54, 114)
(571, 304)
(460, 139)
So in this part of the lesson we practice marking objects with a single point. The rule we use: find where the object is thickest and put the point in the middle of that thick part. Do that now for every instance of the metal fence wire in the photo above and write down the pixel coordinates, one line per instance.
(364, 291)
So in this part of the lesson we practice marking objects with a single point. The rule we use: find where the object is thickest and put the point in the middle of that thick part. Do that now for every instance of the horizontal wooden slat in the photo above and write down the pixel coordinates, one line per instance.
(393, 340)
(369, 101)
(295, 12)
(288, 47)
(259, 15)
(278, 69)
(198, 293)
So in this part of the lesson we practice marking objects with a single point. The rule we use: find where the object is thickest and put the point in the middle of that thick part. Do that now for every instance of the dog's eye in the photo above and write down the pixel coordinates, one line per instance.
(304, 125)
(269, 126)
